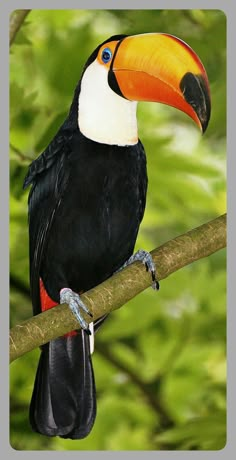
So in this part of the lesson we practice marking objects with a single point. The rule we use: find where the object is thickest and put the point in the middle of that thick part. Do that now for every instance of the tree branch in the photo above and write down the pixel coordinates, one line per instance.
(16, 20)
(21, 155)
(154, 400)
(21, 287)
(121, 287)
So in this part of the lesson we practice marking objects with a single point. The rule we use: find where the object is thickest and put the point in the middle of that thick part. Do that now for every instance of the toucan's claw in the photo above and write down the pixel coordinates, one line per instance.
(76, 305)
(146, 258)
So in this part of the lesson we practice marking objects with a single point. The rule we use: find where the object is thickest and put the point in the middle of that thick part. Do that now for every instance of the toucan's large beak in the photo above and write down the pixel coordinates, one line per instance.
(162, 68)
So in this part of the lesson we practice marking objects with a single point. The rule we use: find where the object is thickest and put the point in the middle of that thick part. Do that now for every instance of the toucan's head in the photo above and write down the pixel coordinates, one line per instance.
(148, 67)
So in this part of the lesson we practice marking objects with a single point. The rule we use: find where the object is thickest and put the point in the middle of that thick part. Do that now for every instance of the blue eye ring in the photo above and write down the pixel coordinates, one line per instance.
(106, 55)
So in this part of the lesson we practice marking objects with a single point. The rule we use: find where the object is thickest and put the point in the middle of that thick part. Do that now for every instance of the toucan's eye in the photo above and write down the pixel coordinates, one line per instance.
(106, 55)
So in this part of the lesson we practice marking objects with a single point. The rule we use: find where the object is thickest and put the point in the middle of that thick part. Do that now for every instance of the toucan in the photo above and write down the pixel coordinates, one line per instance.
(87, 200)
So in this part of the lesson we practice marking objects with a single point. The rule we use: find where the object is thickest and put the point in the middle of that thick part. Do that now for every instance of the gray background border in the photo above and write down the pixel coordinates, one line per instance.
(229, 8)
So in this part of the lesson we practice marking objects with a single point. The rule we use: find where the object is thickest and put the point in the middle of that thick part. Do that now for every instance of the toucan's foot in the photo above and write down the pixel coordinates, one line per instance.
(76, 305)
(146, 258)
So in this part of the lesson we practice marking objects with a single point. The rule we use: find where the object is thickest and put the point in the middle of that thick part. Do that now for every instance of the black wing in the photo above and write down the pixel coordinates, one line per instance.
(49, 177)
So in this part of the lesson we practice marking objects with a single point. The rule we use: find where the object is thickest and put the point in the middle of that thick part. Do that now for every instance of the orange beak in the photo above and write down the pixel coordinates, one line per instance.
(162, 68)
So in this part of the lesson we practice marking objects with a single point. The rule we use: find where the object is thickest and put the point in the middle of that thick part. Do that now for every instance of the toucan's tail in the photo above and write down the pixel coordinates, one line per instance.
(64, 398)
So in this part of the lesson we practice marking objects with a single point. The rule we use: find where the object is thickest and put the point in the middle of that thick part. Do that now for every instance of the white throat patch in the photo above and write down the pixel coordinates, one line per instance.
(104, 116)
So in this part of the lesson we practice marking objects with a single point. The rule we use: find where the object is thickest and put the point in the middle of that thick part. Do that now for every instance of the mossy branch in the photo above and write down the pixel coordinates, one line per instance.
(16, 20)
(121, 287)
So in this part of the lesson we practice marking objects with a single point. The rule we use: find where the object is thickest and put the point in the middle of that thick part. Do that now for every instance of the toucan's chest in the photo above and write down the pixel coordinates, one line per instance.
(101, 174)
(106, 190)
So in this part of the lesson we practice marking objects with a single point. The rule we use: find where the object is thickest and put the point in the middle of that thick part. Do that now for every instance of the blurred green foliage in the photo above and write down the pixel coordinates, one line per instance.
(160, 361)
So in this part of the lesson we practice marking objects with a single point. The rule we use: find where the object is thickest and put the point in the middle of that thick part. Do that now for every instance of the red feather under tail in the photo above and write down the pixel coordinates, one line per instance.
(47, 302)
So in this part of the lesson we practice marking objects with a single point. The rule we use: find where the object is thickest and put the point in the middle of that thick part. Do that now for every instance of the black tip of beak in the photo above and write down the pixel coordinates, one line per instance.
(196, 93)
